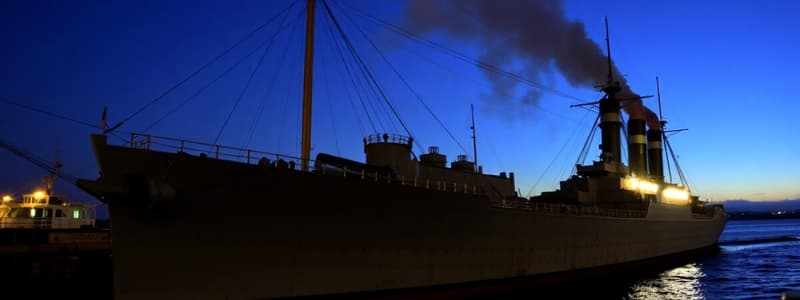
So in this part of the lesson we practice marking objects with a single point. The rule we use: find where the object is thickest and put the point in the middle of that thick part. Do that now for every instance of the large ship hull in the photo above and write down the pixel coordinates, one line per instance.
(193, 227)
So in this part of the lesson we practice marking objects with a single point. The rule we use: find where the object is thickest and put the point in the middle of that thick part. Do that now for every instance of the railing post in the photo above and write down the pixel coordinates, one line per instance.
(248, 156)
(133, 140)
(217, 151)
(376, 176)
(403, 180)
(345, 171)
(148, 142)
(181, 145)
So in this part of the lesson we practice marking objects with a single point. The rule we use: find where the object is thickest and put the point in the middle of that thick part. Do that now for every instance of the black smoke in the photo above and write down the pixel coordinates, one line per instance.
(533, 33)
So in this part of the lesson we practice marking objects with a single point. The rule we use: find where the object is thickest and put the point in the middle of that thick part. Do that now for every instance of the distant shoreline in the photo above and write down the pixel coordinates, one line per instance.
(762, 215)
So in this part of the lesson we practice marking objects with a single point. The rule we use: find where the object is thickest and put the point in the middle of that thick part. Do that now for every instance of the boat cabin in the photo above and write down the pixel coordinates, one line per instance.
(39, 210)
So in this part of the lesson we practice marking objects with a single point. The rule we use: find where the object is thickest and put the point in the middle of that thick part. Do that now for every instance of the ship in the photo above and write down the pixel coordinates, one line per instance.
(44, 222)
(206, 221)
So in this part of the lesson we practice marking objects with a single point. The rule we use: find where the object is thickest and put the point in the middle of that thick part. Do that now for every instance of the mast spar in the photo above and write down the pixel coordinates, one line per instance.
(307, 85)
(474, 139)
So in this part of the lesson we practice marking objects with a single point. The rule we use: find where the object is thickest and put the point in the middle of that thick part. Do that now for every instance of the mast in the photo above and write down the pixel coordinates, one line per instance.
(609, 115)
(307, 86)
(474, 139)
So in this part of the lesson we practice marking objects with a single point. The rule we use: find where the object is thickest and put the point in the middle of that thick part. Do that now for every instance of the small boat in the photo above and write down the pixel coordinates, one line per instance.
(41, 210)
(42, 217)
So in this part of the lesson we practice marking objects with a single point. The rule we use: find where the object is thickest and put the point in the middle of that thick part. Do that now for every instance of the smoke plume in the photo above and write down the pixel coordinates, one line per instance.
(534, 33)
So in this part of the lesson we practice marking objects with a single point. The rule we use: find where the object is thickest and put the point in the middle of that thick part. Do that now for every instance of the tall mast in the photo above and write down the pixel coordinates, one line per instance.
(474, 139)
(608, 49)
(307, 82)
(609, 115)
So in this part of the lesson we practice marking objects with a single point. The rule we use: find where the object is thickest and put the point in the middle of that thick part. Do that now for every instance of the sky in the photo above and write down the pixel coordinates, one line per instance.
(725, 72)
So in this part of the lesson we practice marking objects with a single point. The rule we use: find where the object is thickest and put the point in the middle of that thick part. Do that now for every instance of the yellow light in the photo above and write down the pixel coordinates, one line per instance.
(7, 198)
(33, 212)
(639, 185)
(675, 195)
(38, 195)
(648, 187)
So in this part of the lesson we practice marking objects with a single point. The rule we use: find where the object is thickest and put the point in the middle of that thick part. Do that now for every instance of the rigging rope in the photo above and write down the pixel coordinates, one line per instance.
(38, 161)
(585, 149)
(51, 114)
(367, 73)
(208, 85)
(343, 61)
(250, 79)
(677, 166)
(408, 86)
(261, 106)
(204, 66)
(375, 108)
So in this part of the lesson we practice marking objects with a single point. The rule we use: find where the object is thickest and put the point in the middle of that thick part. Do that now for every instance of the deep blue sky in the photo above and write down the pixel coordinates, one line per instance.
(727, 74)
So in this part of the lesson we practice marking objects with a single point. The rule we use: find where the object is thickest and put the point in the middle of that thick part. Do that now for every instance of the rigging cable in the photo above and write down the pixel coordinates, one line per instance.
(347, 88)
(51, 114)
(376, 109)
(408, 86)
(203, 67)
(361, 62)
(250, 79)
(677, 166)
(58, 116)
(585, 149)
(261, 105)
(553, 161)
(38, 161)
(204, 88)
(341, 61)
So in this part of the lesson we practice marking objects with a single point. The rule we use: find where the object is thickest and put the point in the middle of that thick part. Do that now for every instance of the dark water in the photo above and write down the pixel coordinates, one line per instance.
(758, 259)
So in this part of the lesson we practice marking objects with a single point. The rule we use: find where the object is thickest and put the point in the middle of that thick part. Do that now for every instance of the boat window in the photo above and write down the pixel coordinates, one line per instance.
(19, 212)
(59, 214)
(76, 214)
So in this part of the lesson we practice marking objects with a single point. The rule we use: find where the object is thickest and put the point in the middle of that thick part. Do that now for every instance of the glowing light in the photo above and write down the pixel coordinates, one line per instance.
(76, 214)
(7, 198)
(674, 195)
(640, 185)
(33, 212)
(38, 195)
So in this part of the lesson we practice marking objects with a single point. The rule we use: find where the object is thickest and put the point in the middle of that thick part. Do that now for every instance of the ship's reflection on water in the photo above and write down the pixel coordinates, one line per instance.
(679, 283)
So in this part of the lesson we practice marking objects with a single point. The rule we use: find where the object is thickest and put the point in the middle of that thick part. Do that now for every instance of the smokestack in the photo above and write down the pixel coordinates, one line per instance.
(637, 147)
(654, 155)
(610, 124)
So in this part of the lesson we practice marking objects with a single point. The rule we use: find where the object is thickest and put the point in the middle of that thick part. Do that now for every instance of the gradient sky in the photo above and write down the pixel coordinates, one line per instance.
(726, 71)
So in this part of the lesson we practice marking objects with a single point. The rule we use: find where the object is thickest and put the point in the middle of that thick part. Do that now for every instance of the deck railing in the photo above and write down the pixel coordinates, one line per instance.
(27, 223)
(216, 151)
(249, 156)
(560, 208)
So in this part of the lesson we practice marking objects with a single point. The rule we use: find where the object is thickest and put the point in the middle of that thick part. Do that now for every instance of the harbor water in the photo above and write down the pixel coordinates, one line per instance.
(757, 259)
